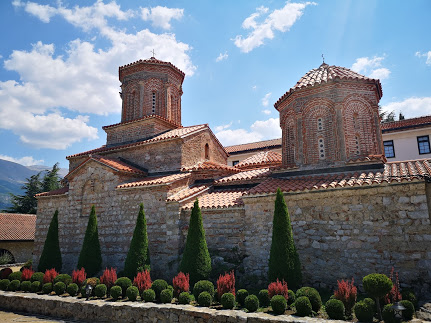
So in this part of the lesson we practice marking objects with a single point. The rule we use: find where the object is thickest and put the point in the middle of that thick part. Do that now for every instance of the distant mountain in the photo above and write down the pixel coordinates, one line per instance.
(14, 175)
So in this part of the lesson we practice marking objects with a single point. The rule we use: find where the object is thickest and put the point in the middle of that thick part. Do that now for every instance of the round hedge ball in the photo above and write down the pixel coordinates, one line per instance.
(377, 285)
(228, 301)
(100, 290)
(364, 311)
(72, 289)
(59, 288)
(241, 295)
(124, 283)
(263, 297)
(184, 298)
(116, 292)
(203, 286)
(26, 286)
(4, 284)
(35, 286)
(251, 303)
(166, 295)
(409, 311)
(303, 306)
(335, 309)
(47, 288)
(291, 298)
(313, 295)
(278, 304)
(388, 314)
(205, 299)
(37, 276)
(158, 285)
(149, 295)
(14, 285)
(132, 293)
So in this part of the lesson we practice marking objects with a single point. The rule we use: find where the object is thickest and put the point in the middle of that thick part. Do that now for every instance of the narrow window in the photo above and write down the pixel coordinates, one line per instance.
(424, 145)
(357, 145)
(389, 148)
(319, 124)
(321, 146)
(154, 103)
(207, 151)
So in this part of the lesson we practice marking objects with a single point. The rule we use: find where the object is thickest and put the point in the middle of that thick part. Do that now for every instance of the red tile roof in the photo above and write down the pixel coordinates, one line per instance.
(261, 159)
(113, 163)
(273, 143)
(393, 172)
(156, 180)
(152, 60)
(210, 165)
(60, 191)
(406, 123)
(17, 226)
(189, 192)
(324, 74)
(244, 176)
(219, 199)
(152, 116)
(169, 135)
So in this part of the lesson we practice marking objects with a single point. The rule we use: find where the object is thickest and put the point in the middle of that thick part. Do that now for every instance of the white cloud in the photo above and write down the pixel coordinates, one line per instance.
(161, 16)
(84, 80)
(371, 67)
(266, 111)
(265, 99)
(427, 55)
(222, 127)
(26, 160)
(410, 107)
(259, 130)
(278, 20)
(222, 57)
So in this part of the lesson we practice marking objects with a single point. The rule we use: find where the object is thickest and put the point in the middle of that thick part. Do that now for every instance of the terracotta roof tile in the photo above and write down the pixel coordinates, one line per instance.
(406, 123)
(219, 199)
(188, 192)
(17, 226)
(113, 163)
(273, 143)
(156, 180)
(324, 74)
(210, 165)
(152, 60)
(261, 159)
(244, 176)
(169, 135)
(152, 116)
(393, 172)
(60, 191)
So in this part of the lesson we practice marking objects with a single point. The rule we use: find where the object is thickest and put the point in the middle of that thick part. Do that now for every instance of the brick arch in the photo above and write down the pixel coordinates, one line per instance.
(174, 105)
(359, 128)
(315, 109)
(289, 138)
(131, 102)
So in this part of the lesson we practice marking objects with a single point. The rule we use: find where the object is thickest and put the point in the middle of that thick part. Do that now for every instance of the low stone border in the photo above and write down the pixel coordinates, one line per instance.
(122, 312)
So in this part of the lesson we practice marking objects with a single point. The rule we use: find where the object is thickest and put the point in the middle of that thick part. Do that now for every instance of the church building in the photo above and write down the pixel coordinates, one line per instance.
(352, 212)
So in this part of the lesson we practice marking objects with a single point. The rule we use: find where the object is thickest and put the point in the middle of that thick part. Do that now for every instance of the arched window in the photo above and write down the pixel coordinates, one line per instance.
(355, 121)
(7, 256)
(207, 151)
(321, 148)
(153, 110)
(319, 124)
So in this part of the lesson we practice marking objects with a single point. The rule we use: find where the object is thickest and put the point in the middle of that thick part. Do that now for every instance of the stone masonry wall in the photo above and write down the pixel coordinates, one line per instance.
(346, 233)
(21, 250)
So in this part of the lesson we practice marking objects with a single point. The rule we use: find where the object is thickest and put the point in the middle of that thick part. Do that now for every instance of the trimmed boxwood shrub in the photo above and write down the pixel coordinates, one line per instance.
(313, 295)
(278, 304)
(37, 276)
(59, 288)
(205, 299)
(4, 284)
(15, 276)
(100, 290)
(132, 293)
(116, 292)
(409, 311)
(263, 297)
(35, 286)
(149, 295)
(377, 286)
(241, 295)
(363, 311)
(251, 303)
(65, 278)
(124, 283)
(158, 285)
(291, 298)
(228, 301)
(388, 314)
(47, 288)
(203, 286)
(303, 306)
(335, 309)
(184, 298)
(72, 289)
(166, 295)
(409, 295)
(26, 286)
(14, 285)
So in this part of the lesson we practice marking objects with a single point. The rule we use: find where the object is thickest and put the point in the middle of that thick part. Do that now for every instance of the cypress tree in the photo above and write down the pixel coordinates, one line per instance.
(196, 260)
(90, 257)
(138, 257)
(51, 254)
(283, 259)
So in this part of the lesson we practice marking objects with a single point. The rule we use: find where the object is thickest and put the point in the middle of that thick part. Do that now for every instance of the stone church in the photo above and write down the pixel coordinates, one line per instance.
(352, 212)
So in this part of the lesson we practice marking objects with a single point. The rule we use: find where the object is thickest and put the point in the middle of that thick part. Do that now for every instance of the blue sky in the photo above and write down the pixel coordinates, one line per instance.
(59, 63)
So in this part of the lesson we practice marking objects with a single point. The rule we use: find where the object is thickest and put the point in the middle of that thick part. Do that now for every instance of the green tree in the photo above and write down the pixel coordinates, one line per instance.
(196, 260)
(283, 259)
(138, 257)
(26, 203)
(51, 180)
(90, 256)
(51, 254)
